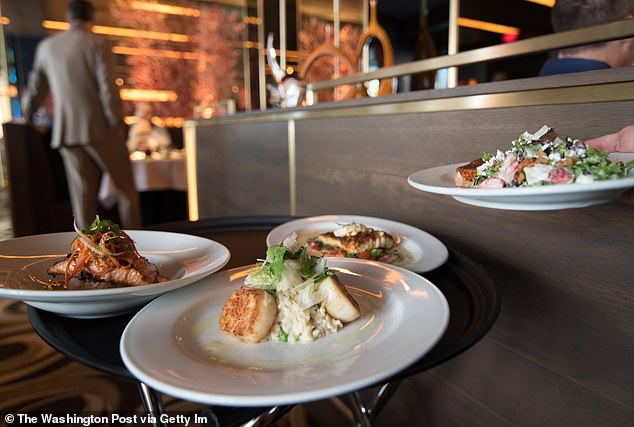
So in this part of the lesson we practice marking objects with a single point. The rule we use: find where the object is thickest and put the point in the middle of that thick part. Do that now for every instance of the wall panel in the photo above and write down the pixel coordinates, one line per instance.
(242, 170)
(561, 350)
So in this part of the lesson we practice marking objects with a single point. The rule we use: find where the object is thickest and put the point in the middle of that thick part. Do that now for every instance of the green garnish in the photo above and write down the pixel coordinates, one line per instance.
(269, 274)
(102, 226)
(377, 253)
(282, 336)
(275, 259)
(326, 273)
(306, 264)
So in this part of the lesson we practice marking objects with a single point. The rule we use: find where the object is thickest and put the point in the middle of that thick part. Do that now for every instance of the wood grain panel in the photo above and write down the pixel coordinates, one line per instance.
(565, 276)
(451, 395)
(243, 170)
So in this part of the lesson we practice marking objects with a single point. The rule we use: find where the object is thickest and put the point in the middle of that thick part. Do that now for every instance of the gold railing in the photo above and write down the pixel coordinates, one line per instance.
(584, 36)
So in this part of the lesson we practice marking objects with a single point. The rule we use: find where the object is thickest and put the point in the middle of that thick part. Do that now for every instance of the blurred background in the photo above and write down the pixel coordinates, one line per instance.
(198, 59)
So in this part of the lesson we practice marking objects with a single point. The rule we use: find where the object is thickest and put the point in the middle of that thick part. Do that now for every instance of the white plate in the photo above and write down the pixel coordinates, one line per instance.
(174, 344)
(440, 180)
(180, 258)
(426, 250)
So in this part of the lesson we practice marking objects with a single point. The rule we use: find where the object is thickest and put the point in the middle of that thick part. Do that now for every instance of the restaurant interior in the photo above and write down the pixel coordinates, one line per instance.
(256, 115)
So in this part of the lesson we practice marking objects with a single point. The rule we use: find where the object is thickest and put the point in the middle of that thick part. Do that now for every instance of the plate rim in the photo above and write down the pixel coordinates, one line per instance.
(79, 295)
(287, 397)
(367, 220)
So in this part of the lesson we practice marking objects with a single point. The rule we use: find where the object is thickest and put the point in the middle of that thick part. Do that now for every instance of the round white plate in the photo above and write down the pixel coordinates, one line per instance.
(426, 250)
(180, 258)
(174, 344)
(440, 180)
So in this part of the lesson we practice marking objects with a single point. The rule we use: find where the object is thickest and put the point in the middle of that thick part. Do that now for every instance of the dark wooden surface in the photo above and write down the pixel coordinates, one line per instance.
(36, 182)
(561, 350)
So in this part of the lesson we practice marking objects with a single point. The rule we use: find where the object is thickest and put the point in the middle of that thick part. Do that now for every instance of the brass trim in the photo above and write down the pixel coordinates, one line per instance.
(189, 140)
(282, 7)
(261, 58)
(607, 92)
(588, 35)
(347, 14)
(292, 181)
(246, 62)
(365, 12)
(336, 8)
(453, 41)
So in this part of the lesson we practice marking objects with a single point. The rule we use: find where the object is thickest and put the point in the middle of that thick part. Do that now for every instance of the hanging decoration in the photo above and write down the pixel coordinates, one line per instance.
(316, 33)
(289, 91)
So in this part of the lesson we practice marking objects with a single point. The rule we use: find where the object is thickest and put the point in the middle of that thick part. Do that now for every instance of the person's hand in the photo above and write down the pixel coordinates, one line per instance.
(620, 142)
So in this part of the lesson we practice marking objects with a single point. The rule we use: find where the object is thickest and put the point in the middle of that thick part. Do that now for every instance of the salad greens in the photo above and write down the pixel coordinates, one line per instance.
(270, 273)
(545, 158)
(598, 165)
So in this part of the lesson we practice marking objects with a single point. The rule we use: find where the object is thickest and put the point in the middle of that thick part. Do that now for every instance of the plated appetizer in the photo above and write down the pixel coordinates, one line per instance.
(105, 253)
(357, 241)
(289, 297)
(542, 158)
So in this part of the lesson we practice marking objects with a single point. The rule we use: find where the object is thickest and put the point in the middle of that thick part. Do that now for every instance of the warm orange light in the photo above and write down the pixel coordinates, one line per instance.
(547, 3)
(121, 32)
(11, 91)
(290, 70)
(487, 26)
(148, 95)
(207, 113)
(119, 81)
(55, 25)
(164, 53)
(251, 45)
(175, 122)
(128, 32)
(253, 20)
(165, 8)
(4, 20)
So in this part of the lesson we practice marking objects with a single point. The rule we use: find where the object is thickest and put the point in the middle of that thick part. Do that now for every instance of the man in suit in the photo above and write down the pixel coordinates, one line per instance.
(88, 127)
(569, 15)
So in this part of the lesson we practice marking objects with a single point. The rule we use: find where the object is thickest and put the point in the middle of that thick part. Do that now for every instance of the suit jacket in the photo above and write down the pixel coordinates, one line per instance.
(78, 68)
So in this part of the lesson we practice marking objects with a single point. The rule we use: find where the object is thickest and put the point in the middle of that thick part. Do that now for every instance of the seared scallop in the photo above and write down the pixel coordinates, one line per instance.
(338, 301)
(249, 314)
